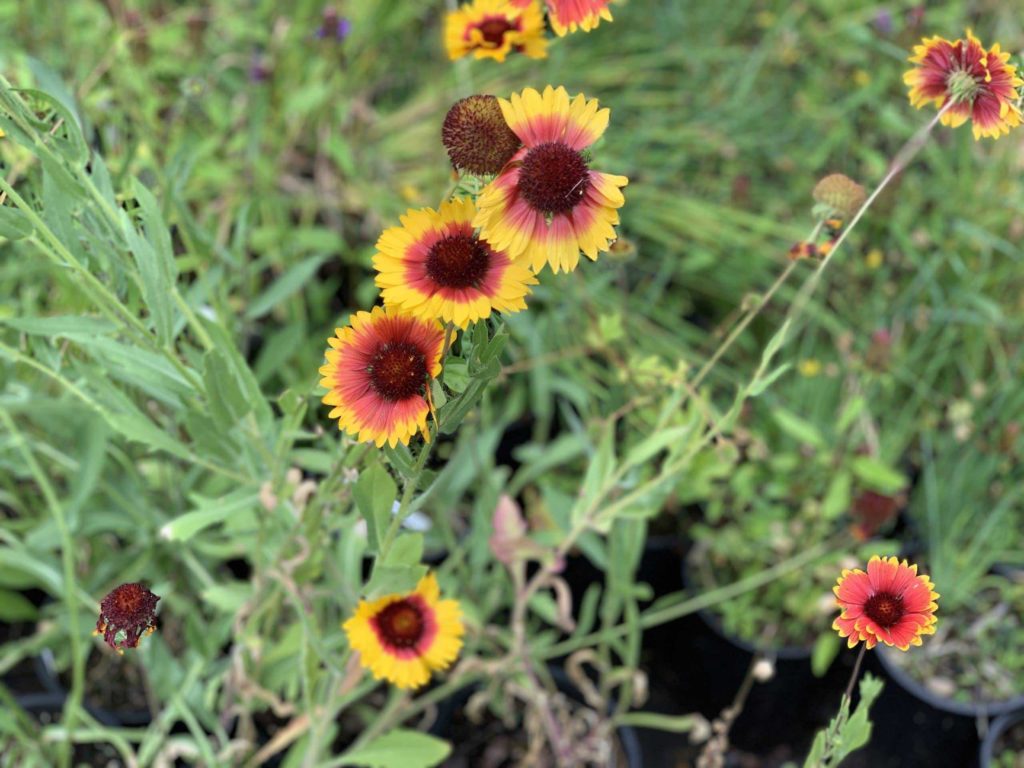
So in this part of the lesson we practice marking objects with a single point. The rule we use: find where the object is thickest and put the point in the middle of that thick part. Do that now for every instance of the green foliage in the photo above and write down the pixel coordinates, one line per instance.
(180, 233)
(846, 733)
(399, 747)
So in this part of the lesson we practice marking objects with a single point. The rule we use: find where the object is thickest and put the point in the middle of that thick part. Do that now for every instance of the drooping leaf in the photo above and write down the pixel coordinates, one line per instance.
(399, 749)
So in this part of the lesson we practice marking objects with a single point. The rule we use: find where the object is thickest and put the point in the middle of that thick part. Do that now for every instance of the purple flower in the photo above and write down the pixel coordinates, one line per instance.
(883, 22)
(333, 26)
(259, 70)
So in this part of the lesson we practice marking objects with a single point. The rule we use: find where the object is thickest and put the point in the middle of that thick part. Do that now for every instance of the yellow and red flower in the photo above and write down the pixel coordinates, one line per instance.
(570, 15)
(979, 84)
(405, 638)
(435, 266)
(377, 372)
(491, 29)
(547, 205)
(888, 603)
(126, 614)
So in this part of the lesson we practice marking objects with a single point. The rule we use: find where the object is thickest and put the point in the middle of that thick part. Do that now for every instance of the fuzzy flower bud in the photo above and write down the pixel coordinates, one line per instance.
(839, 195)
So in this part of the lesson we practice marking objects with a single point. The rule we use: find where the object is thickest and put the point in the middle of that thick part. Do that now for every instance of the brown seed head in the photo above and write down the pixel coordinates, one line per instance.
(477, 137)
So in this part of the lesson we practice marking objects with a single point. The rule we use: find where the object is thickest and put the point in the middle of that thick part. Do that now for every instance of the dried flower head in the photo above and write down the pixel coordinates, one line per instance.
(888, 603)
(129, 609)
(840, 195)
(977, 84)
(477, 137)
(871, 511)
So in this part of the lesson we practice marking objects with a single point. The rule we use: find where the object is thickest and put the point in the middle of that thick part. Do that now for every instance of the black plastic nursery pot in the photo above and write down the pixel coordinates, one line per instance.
(915, 728)
(111, 698)
(781, 715)
(1005, 732)
(451, 725)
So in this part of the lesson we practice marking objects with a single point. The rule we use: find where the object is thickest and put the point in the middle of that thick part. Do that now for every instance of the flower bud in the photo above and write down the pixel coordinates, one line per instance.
(839, 194)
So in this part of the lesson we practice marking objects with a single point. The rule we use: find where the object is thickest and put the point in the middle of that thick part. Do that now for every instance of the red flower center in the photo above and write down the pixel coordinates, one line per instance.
(400, 624)
(885, 609)
(458, 261)
(398, 370)
(494, 28)
(553, 177)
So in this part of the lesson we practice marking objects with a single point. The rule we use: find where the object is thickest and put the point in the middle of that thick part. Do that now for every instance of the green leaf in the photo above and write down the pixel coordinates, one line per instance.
(800, 430)
(494, 348)
(224, 395)
(14, 225)
(653, 444)
(393, 579)
(660, 722)
(399, 458)
(227, 597)
(406, 551)
(16, 607)
(826, 647)
(67, 139)
(774, 345)
(857, 730)
(157, 286)
(837, 498)
(156, 231)
(599, 471)
(817, 751)
(456, 375)
(374, 494)
(454, 411)
(761, 383)
(61, 325)
(291, 282)
(850, 412)
(208, 512)
(878, 475)
(399, 749)
(848, 732)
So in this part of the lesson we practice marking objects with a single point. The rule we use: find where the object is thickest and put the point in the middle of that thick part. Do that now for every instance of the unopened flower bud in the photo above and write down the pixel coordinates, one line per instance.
(764, 670)
(839, 194)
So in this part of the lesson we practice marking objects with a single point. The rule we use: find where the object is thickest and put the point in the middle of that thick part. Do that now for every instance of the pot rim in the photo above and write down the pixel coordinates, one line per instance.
(918, 690)
(785, 652)
(999, 726)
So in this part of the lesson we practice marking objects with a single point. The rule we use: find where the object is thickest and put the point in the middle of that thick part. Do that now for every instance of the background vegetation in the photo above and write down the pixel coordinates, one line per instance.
(164, 310)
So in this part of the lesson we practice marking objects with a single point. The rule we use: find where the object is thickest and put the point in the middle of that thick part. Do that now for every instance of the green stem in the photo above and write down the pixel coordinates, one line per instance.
(836, 726)
(73, 703)
(903, 156)
(15, 355)
(411, 483)
(657, 616)
(106, 302)
(402, 708)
